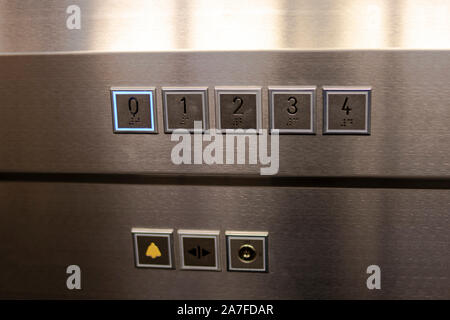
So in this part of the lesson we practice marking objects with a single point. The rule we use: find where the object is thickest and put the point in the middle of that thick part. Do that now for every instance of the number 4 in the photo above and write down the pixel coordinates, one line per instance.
(345, 106)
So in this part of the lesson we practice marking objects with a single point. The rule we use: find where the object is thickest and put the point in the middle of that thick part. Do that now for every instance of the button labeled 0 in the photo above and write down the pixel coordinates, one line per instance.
(133, 110)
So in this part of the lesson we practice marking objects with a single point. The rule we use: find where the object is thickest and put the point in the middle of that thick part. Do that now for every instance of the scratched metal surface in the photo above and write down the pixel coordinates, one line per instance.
(321, 240)
(56, 110)
(55, 117)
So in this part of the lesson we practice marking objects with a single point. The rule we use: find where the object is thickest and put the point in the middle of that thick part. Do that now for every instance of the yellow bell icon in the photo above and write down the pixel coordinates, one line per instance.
(153, 251)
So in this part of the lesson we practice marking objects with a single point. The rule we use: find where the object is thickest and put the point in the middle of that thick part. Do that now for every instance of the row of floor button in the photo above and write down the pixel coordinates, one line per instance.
(291, 109)
(200, 250)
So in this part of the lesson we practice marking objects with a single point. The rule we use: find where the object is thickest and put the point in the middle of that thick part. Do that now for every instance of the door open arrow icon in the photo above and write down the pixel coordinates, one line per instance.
(199, 252)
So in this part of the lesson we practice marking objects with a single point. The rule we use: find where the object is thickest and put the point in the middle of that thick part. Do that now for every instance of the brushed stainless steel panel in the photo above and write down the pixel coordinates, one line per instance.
(55, 110)
(151, 25)
(321, 240)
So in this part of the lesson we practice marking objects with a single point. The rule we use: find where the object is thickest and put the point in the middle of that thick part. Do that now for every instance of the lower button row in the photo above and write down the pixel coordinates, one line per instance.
(199, 250)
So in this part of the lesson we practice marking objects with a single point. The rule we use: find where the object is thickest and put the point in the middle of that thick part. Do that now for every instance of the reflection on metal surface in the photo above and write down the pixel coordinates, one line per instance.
(409, 111)
(143, 25)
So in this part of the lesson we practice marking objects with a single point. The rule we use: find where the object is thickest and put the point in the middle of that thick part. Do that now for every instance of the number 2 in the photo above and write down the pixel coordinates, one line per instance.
(240, 102)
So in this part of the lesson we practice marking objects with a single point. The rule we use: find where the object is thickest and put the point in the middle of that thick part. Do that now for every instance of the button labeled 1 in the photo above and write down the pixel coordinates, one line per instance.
(183, 106)
(199, 250)
(238, 108)
(133, 110)
(153, 247)
(346, 110)
(291, 110)
(247, 251)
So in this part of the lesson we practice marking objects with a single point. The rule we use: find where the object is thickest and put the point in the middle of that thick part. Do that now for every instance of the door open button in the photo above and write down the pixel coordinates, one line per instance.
(199, 250)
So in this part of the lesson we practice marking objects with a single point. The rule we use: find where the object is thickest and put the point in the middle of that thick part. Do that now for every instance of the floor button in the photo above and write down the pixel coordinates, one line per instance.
(183, 106)
(291, 110)
(134, 110)
(346, 110)
(238, 108)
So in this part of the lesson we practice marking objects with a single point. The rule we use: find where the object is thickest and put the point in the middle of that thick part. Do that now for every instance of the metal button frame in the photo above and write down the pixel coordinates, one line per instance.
(186, 90)
(240, 235)
(138, 90)
(163, 233)
(238, 90)
(311, 90)
(210, 234)
(347, 91)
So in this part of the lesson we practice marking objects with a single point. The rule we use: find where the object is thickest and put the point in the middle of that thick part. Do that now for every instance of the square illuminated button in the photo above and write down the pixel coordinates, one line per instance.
(199, 250)
(238, 108)
(153, 247)
(292, 110)
(247, 251)
(346, 110)
(183, 106)
(133, 110)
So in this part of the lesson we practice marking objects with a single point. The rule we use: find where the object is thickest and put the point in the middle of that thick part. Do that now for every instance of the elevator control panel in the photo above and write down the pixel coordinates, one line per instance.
(153, 248)
(247, 251)
(238, 108)
(199, 250)
(183, 106)
(292, 110)
(346, 110)
(133, 110)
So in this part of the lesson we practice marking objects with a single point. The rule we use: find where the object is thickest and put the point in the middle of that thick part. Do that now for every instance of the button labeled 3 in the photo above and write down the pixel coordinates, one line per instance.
(183, 106)
(153, 247)
(238, 108)
(199, 250)
(133, 110)
(346, 110)
(247, 251)
(291, 110)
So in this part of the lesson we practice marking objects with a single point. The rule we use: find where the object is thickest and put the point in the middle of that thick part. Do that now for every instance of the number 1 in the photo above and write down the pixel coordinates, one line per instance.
(184, 104)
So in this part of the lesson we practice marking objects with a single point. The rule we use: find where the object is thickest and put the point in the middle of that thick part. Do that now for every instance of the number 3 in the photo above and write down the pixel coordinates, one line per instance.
(292, 109)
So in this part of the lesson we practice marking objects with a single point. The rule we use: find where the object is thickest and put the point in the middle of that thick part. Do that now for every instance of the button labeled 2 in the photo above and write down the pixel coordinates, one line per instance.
(238, 108)
(346, 110)
(183, 106)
